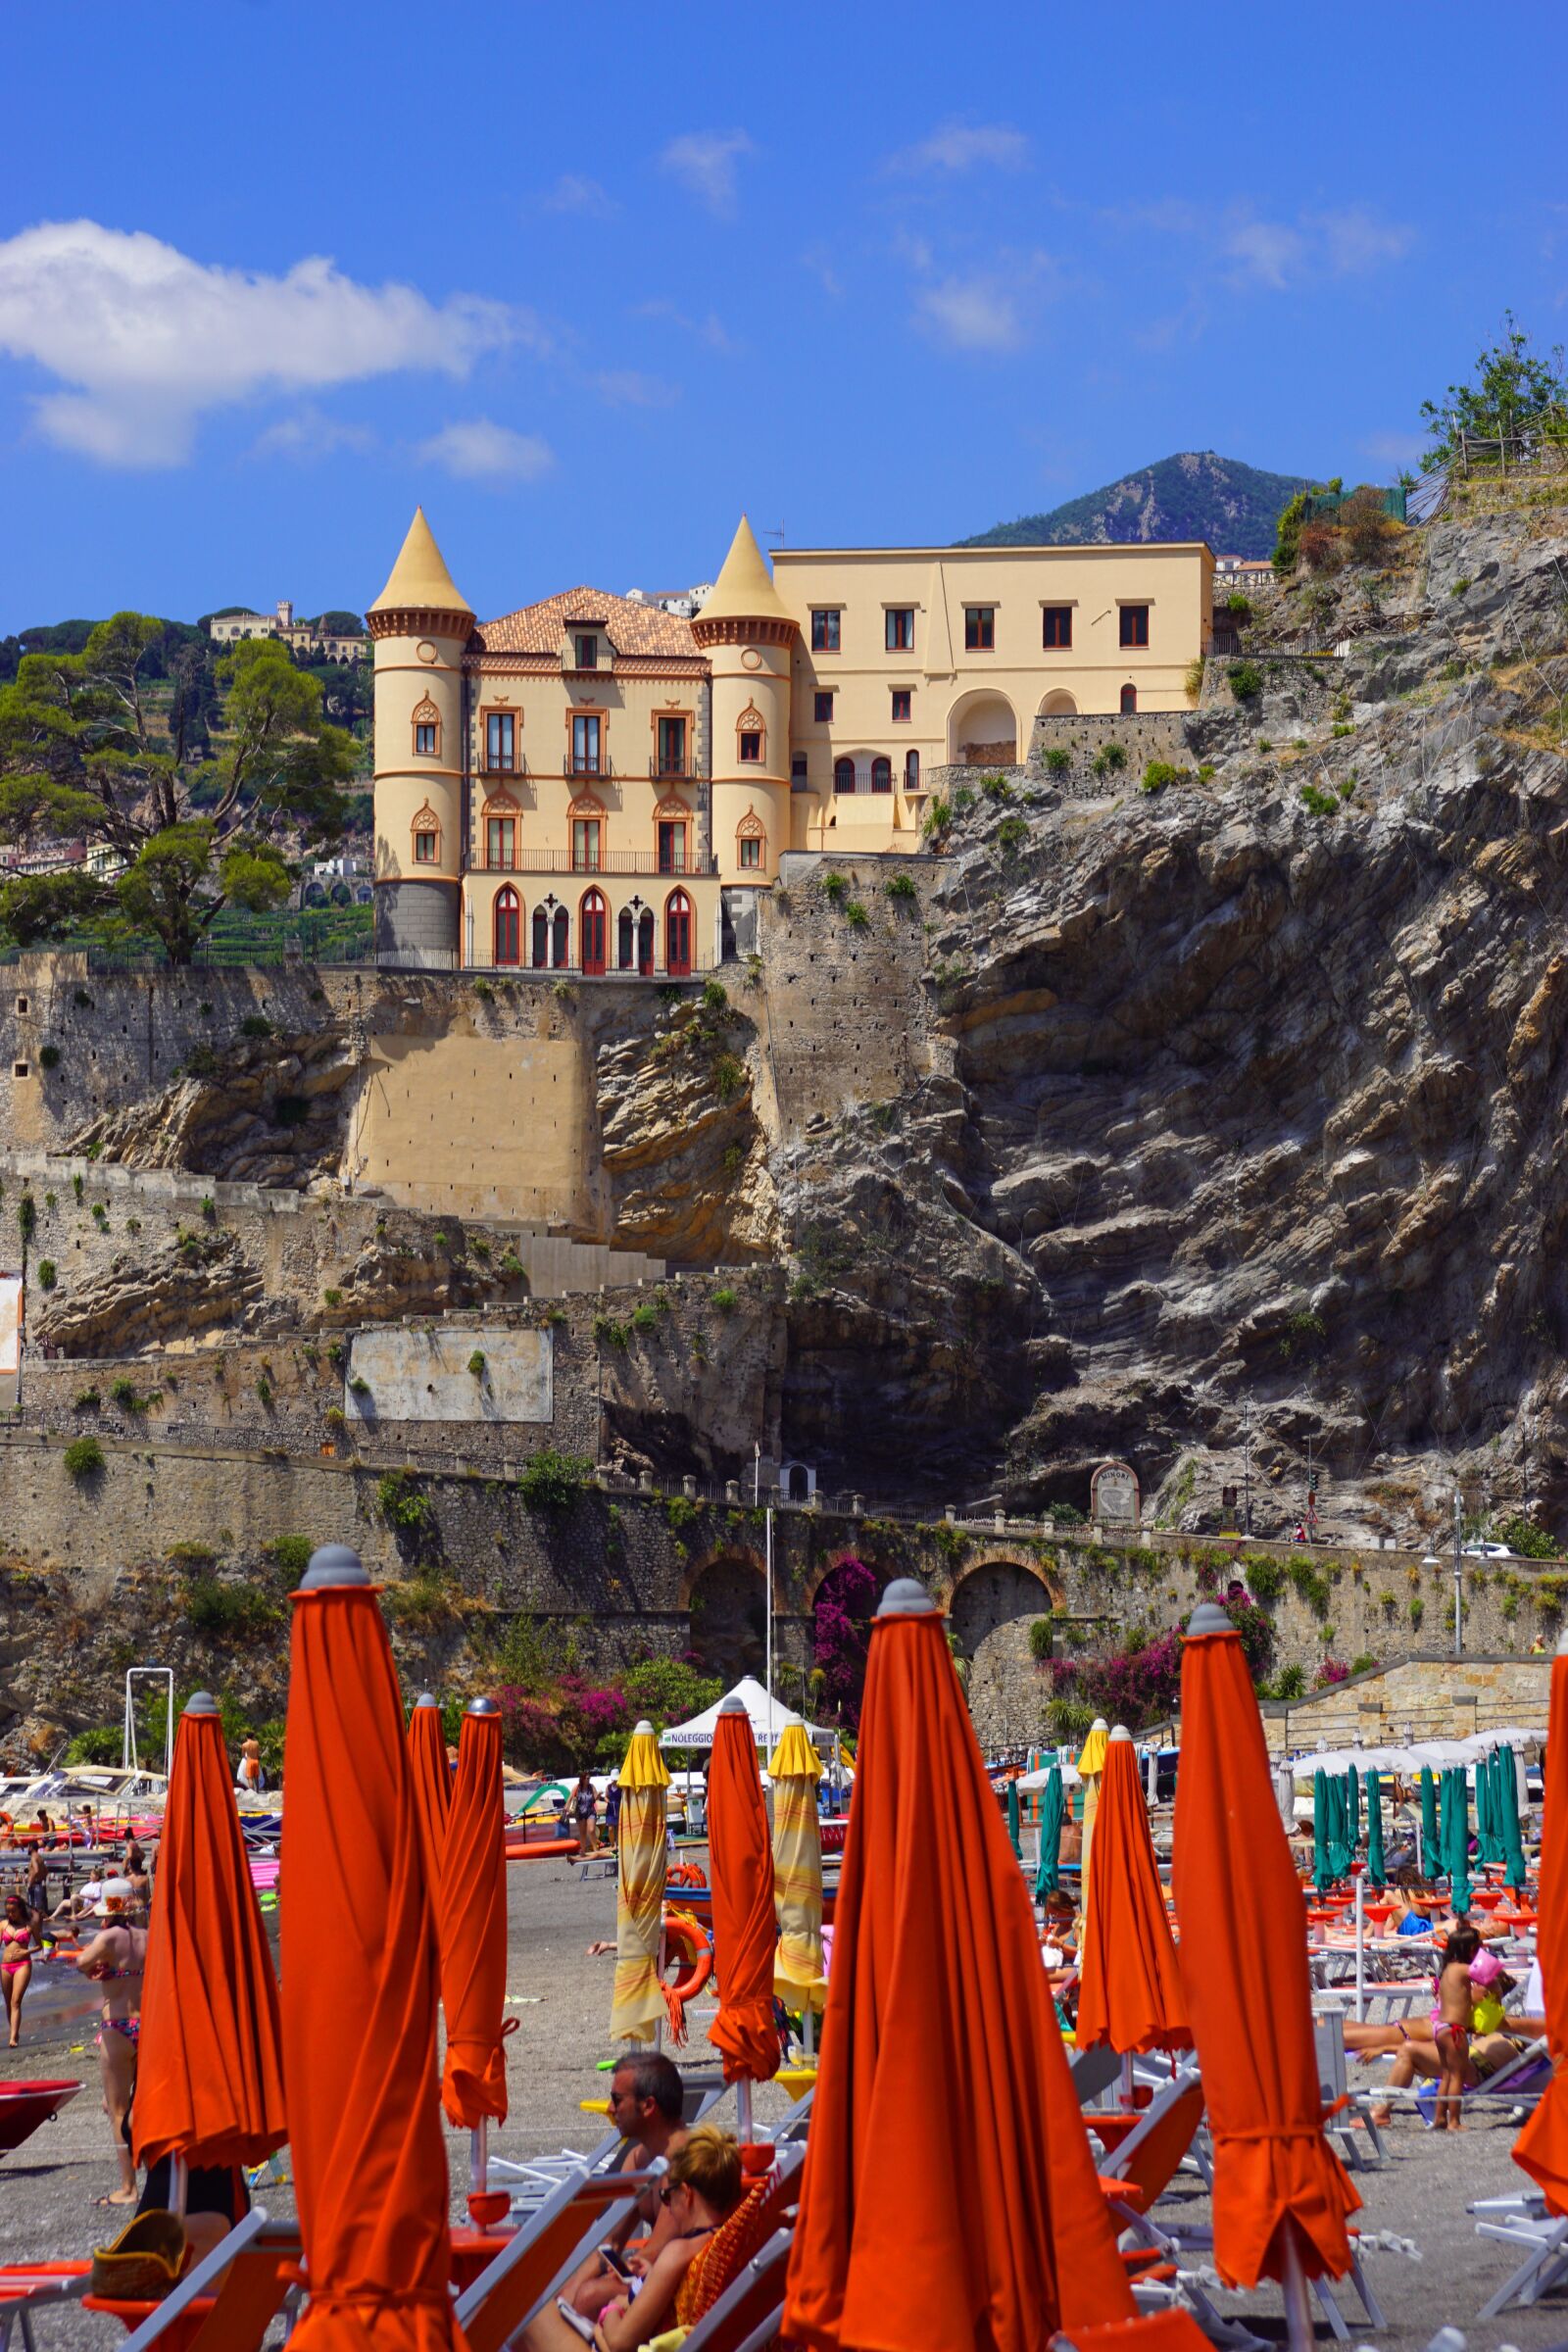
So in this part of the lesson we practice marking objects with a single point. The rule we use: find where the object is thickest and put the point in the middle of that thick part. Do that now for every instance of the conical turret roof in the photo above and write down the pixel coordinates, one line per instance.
(420, 581)
(744, 589)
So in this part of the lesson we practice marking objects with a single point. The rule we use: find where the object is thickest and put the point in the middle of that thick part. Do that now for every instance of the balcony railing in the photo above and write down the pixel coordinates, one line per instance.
(514, 764)
(674, 772)
(608, 862)
(588, 764)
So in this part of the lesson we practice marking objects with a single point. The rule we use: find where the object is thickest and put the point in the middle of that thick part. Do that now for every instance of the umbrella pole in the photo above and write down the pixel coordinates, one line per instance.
(178, 2185)
(743, 2106)
(1297, 2303)
(479, 2156)
(1360, 1949)
(1127, 2088)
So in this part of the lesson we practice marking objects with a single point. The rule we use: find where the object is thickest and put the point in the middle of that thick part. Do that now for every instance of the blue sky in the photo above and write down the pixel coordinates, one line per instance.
(269, 275)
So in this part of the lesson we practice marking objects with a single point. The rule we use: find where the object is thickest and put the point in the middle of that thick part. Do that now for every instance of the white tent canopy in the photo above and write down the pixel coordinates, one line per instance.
(769, 1718)
(1070, 1776)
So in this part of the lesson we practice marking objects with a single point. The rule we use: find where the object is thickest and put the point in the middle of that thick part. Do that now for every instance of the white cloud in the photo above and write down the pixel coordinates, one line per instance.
(630, 388)
(709, 331)
(820, 261)
(1394, 449)
(960, 146)
(309, 433)
(477, 450)
(148, 340)
(1279, 254)
(704, 161)
(574, 192)
(974, 314)
(1356, 240)
(1267, 252)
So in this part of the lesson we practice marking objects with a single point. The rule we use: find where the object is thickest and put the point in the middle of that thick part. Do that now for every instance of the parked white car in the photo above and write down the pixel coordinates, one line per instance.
(1487, 1552)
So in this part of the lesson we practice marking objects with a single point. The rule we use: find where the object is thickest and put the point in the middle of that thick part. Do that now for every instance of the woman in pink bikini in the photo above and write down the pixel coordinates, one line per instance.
(117, 1957)
(16, 1960)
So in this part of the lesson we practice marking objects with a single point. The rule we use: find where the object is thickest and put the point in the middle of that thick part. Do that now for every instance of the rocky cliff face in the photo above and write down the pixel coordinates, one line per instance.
(1247, 1091)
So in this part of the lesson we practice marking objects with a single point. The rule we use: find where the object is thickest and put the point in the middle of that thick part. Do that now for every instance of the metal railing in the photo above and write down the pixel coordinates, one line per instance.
(515, 765)
(588, 764)
(607, 861)
(674, 772)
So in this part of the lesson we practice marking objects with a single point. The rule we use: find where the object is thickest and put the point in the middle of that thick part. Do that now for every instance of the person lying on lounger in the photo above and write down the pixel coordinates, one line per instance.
(703, 2187)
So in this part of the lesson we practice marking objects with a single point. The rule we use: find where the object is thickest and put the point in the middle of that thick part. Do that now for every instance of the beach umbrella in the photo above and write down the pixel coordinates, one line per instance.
(1322, 1875)
(949, 2199)
(1431, 1838)
(1130, 1990)
(1014, 1829)
(1091, 1764)
(637, 2006)
(1487, 1844)
(1340, 1847)
(739, 1871)
(471, 1921)
(431, 1780)
(1456, 1839)
(1047, 1872)
(359, 1996)
(1281, 2198)
(1509, 1838)
(1542, 2147)
(1376, 1867)
(210, 2068)
(793, 1769)
(1353, 1814)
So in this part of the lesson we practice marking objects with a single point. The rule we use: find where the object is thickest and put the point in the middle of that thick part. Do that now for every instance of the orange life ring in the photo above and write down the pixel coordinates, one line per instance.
(686, 1938)
(684, 1874)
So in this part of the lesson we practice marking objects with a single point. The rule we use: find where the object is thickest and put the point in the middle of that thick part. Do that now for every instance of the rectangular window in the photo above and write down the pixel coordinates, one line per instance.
(671, 846)
(1055, 627)
(584, 746)
(750, 851)
(672, 747)
(750, 744)
(424, 739)
(499, 844)
(1135, 624)
(501, 742)
(901, 704)
(979, 628)
(900, 628)
(585, 845)
(587, 652)
(822, 709)
(824, 631)
(424, 849)
(797, 772)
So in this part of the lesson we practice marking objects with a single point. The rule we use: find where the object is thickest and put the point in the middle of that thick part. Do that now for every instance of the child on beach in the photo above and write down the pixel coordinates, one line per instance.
(1452, 2018)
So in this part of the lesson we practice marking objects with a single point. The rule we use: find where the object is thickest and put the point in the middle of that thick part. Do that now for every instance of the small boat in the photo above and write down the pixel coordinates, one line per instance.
(23, 2106)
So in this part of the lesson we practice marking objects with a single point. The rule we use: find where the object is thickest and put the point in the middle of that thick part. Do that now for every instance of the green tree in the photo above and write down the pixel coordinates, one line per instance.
(87, 754)
(1517, 389)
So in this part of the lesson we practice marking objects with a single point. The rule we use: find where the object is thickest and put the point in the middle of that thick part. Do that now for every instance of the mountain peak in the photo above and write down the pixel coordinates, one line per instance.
(1196, 494)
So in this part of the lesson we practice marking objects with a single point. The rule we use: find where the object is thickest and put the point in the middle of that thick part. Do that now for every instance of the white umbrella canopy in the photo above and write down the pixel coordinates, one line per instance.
(769, 1717)
(1071, 1777)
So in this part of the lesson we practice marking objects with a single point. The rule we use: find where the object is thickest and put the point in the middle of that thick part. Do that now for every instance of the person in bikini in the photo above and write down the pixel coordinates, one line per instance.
(116, 1958)
(16, 1959)
(1440, 2047)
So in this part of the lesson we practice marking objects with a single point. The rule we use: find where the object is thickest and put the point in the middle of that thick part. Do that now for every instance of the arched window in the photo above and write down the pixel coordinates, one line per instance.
(560, 938)
(501, 813)
(881, 775)
(627, 941)
(1129, 700)
(645, 942)
(751, 843)
(592, 918)
(541, 937)
(508, 926)
(677, 935)
(427, 832)
(587, 814)
(426, 730)
(750, 738)
(672, 836)
(844, 776)
(911, 771)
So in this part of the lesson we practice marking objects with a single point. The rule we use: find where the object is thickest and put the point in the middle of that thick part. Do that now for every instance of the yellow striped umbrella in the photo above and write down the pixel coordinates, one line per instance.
(1091, 1764)
(637, 2005)
(797, 1977)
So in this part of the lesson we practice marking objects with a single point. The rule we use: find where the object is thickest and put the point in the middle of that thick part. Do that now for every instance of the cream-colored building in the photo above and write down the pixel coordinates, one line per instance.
(594, 784)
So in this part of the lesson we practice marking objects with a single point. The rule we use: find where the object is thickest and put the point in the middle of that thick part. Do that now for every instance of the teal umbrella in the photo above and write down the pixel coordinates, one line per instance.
(1012, 1819)
(1047, 1878)
(1376, 1869)
(1488, 1841)
(1339, 1829)
(1431, 1840)
(1512, 1844)
(1353, 1806)
(1456, 1839)
(1321, 1872)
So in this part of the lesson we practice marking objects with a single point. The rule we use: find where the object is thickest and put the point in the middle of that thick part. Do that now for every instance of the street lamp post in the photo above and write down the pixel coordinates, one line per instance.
(1431, 1560)
(1458, 1585)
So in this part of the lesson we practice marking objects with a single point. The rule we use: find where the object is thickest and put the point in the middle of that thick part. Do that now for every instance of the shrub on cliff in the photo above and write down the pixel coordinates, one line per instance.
(551, 1481)
(84, 1459)
(841, 1636)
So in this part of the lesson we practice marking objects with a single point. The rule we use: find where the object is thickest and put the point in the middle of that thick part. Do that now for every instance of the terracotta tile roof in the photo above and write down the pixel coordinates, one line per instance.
(631, 628)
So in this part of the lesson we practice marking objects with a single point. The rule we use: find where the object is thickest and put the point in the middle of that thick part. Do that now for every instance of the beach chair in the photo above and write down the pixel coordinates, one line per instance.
(539, 2176)
(544, 2252)
(27, 2285)
(1522, 2221)
(1342, 2106)
(749, 2313)
(1094, 2072)
(1520, 2082)
(260, 2259)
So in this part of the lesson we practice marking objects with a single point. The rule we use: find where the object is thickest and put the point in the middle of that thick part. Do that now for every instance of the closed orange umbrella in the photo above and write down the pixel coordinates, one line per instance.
(739, 1871)
(948, 2198)
(432, 1776)
(1542, 2147)
(209, 2066)
(1130, 1987)
(358, 1987)
(1281, 2195)
(472, 1923)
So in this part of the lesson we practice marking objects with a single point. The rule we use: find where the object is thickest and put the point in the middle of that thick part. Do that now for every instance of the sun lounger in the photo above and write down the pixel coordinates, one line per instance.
(545, 2251)
(748, 2314)
(540, 2176)
(1520, 2083)
(26, 2285)
(259, 2257)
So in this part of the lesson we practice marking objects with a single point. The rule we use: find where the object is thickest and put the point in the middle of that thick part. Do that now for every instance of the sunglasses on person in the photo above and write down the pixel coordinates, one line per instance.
(670, 2189)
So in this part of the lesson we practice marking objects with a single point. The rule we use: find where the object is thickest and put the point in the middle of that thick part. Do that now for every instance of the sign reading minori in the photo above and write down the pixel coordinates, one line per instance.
(455, 1372)
(1113, 1495)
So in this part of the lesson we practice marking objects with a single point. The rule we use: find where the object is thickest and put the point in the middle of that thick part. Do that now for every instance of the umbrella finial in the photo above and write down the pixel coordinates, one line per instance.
(201, 1702)
(1099, 1725)
(1207, 1618)
(427, 1699)
(906, 1596)
(732, 1706)
(1119, 1731)
(481, 1706)
(642, 1729)
(333, 1565)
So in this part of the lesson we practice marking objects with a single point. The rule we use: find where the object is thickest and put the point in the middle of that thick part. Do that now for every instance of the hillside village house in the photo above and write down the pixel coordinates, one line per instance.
(595, 784)
(300, 636)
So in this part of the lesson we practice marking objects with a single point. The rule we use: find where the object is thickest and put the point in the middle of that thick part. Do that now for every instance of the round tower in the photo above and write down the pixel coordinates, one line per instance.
(421, 626)
(749, 638)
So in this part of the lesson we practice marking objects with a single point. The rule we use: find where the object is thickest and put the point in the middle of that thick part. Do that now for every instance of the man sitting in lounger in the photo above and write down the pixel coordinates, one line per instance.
(647, 2104)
